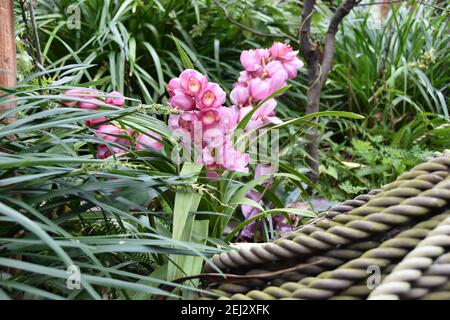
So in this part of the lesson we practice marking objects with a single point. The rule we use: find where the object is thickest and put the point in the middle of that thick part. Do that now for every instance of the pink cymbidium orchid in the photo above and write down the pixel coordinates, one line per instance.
(192, 82)
(181, 100)
(115, 98)
(148, 140)
(212, 96)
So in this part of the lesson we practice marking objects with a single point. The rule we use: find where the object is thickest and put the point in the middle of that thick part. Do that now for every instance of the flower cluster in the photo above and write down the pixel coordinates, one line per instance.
(121, 139)
(94, 98)
(205, 121)
(266, 71)
(209, 124)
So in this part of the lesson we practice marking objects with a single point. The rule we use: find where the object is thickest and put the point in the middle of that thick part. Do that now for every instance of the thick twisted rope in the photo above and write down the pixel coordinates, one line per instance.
(424, 268)
(393, 206)
(343, 234)
(340, 282)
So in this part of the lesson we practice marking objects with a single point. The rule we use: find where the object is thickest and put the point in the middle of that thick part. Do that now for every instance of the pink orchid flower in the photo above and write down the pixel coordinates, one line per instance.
(192, 82)
(81, 93)
(184, 123)
(292, 66)
(104, 152)
(276, 75)
(92, 105)
(174, 84)
(251, 60)
(207, 156)
(182, 101)
(96, 121)
(279, 50)
(212, 96)
(115, 98)
(233, 159)
(115, 134)
(244, 77)
(211, 117)
(258, 89)
(263, 115)
(232, 117)
(263, 55)
(148, 140)
(239, 95)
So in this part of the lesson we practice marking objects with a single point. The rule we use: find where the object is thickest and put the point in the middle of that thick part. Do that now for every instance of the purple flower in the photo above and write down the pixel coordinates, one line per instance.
(263, 170)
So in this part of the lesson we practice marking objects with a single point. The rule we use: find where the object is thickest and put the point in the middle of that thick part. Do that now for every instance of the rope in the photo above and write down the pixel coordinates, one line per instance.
(331, 255)
(395, 205)
(423, 269)
(340, 282)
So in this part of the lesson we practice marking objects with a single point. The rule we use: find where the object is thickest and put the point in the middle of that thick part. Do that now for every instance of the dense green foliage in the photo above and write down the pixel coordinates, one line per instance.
(115, 218)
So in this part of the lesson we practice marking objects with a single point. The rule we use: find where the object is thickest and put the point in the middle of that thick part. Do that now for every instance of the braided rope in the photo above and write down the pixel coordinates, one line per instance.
(322, 222)
(423, 269)
(397, 204)
(339, 245)
(340, 283)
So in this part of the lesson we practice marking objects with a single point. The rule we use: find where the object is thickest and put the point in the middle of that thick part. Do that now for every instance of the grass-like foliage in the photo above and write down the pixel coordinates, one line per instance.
(126, 227)
(61, 207)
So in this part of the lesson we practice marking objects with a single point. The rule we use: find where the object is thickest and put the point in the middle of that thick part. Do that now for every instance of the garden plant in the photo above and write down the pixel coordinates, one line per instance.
(140, 141)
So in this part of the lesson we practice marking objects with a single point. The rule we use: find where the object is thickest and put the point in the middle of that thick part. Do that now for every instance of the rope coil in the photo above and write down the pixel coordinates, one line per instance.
(407, 219)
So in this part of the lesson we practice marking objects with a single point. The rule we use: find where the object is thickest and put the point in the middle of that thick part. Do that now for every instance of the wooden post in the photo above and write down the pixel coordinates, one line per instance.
(7, 47)
(385, 7)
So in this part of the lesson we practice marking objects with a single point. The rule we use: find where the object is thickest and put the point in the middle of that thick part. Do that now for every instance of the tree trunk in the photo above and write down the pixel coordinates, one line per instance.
(309, 51)
(313, 105)
(7, 48)
(319, 65)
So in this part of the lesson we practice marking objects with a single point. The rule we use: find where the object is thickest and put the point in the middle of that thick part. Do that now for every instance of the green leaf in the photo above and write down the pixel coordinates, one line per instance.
(187, 63)
(182, 224)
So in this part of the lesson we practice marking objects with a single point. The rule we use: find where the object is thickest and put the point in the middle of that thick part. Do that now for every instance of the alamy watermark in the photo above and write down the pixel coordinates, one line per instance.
(374, 278)
(73, 281)
(74, 17)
